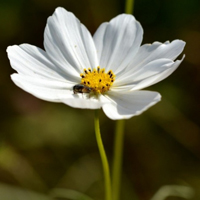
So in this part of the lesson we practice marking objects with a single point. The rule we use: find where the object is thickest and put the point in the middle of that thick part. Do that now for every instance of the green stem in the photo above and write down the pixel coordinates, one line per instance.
(117, 162)
(103, 157)
(129, 6)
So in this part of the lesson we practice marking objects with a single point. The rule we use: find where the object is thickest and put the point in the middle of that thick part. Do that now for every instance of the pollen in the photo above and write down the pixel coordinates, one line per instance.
(97, 79)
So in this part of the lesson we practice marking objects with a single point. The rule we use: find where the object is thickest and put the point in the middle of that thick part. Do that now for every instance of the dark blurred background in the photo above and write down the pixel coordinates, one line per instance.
(47, 145)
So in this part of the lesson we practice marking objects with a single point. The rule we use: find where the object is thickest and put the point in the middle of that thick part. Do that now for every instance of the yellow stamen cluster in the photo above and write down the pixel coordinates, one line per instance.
(97, 79)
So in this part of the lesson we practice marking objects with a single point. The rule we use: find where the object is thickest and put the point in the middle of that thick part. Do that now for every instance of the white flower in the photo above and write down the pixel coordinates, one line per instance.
(111, 66)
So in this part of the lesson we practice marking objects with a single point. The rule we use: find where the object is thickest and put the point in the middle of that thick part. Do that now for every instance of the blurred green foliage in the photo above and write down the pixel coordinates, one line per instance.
(46, 145)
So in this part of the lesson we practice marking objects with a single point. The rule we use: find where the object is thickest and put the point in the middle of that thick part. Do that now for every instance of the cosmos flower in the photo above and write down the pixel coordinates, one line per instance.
(105, 71)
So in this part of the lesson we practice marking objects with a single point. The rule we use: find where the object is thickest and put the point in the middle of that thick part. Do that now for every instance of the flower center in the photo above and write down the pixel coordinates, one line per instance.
(97, 80)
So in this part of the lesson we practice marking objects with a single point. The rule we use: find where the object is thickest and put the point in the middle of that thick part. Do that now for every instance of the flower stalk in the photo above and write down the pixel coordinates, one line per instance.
(104, 159)
(129, 6)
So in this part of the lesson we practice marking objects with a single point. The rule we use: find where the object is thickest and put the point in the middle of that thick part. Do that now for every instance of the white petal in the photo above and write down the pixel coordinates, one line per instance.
(117, 42)
(83, 103)
(30, 60)
(55, 91)
(46, 89)
(157, 50)
(129, 104)
(159, 77)
(68, 43)
(151, 69)
(148, 75)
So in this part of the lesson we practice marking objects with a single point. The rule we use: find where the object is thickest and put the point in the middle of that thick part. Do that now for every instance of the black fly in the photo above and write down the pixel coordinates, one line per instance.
(79, 88)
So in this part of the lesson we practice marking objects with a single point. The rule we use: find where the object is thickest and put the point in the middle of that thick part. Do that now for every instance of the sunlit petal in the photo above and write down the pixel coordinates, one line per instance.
(68, 43)
(118, 41)
(125, 105)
